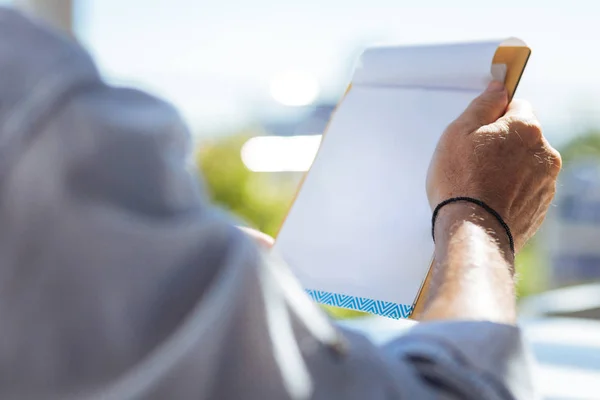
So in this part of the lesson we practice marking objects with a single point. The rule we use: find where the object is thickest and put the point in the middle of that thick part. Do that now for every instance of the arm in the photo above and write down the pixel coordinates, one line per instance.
(496, 153)
(473, 270)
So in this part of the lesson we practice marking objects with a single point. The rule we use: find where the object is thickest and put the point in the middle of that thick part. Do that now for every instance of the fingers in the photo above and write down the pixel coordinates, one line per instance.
(520, 120)
(520, 109)
(485, 109)
(556, 159)
(553, 157)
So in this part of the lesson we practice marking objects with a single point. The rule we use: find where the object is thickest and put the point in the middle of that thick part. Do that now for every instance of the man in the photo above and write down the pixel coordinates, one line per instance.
(118, 281)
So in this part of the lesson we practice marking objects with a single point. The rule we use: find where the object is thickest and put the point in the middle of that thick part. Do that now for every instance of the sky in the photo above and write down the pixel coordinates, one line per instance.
(216, 59)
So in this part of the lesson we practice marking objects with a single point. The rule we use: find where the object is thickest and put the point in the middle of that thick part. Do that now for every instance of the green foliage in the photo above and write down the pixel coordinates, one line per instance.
(253, 197)
(530, 270)
(582, 147)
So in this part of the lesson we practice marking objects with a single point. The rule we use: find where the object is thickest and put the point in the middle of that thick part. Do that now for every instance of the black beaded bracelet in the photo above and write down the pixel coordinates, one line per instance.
(480, 204)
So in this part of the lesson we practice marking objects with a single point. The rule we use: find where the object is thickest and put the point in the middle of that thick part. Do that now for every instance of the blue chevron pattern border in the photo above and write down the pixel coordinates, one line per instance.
(384, 308)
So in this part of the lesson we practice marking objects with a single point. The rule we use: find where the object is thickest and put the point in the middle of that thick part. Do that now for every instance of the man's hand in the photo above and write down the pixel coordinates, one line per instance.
(499, 157)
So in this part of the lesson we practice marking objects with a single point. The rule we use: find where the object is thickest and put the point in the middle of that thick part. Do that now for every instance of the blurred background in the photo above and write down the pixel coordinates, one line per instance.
(257, 81)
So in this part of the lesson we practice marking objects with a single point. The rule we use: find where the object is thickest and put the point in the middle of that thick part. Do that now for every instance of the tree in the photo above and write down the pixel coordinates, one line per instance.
(256, 198)
(581, 147)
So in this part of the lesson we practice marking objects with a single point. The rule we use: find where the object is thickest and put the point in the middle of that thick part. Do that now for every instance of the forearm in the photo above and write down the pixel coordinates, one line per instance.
(472, 276)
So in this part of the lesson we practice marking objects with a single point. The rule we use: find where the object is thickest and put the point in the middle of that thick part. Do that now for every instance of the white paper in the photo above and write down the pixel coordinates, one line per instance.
(358, 234)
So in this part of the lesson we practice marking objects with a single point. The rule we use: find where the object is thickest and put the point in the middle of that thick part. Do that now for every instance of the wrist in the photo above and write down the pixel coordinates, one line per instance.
(453, 216)
(472, 276)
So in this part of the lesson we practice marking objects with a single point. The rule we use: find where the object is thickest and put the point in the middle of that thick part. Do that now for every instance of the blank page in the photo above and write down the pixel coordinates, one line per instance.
(358, 234)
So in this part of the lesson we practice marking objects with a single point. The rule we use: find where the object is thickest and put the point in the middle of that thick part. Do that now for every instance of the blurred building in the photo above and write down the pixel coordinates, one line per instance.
(313, 122)
(574, 226)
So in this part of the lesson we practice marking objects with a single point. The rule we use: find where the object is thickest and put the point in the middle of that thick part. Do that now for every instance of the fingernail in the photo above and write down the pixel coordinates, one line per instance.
(495, 86)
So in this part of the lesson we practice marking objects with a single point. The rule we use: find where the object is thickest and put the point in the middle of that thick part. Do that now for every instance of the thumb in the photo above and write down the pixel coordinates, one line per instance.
(485, 109)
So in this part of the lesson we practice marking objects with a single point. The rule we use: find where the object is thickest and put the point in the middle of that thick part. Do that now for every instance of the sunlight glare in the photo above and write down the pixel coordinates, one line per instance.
(280, 153)
(294, 88)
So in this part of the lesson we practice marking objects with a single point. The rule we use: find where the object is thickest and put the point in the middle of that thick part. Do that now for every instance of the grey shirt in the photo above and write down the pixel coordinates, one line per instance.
(119, 281)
